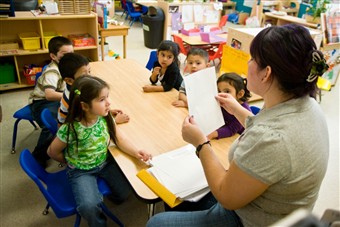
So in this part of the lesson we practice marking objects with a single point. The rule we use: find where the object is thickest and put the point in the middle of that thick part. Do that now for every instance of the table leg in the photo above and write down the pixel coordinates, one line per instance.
(151, 210)
(124, 46)
(102, 42)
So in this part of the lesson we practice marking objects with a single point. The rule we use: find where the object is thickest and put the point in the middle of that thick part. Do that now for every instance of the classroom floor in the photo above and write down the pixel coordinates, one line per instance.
(21, 203)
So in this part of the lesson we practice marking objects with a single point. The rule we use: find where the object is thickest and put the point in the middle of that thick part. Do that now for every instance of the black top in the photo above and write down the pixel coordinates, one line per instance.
(172, 77)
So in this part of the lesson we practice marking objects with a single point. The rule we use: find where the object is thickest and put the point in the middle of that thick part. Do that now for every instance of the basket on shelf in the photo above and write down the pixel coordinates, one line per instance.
(74, 6)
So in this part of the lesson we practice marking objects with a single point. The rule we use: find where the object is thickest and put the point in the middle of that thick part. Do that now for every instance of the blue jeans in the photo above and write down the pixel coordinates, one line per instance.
(87, 196)
(215, 216)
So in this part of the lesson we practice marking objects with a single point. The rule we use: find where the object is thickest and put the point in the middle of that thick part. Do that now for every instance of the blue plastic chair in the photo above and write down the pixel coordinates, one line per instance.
(49, 121)
(57, 190)
(254, 109)
(24, 113)
(134, 16)
(152, 59)
(123, 3)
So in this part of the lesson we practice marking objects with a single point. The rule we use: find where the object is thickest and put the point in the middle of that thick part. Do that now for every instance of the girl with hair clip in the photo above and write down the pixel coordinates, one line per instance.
(82, 143)
(236, 86)
(278, 163)
(166, 69)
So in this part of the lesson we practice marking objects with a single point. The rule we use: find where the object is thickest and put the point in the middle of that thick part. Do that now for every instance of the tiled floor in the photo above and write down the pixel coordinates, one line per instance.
(21, 203)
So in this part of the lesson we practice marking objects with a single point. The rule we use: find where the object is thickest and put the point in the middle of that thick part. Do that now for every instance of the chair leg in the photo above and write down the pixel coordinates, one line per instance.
(111, 215)
(14, 137)
(77, 222)
(45, 211)
(15, 131)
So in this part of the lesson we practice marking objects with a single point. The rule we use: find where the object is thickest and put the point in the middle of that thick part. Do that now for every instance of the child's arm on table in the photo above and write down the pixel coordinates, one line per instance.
(124, 144)
(119, 116)
(182, 100)
(56, 150)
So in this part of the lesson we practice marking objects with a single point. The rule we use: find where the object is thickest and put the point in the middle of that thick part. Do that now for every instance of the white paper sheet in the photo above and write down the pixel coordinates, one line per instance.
(187, 13)
(201, 89)
(181, 172)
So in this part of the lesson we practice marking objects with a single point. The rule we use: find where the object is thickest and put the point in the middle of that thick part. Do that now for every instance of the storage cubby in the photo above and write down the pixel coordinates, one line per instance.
(26, 22)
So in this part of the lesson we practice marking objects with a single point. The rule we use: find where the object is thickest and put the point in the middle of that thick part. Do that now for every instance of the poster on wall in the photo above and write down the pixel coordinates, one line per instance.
(187, 13)
(176, 21)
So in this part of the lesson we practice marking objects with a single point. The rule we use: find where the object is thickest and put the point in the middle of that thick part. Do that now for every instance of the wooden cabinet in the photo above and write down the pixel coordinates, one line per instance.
(24, 22)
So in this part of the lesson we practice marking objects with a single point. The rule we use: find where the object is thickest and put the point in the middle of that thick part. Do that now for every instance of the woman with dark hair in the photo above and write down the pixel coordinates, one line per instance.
(278, 163)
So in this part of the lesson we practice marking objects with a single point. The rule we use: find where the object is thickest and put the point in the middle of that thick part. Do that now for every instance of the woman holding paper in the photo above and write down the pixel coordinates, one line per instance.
(278, 163)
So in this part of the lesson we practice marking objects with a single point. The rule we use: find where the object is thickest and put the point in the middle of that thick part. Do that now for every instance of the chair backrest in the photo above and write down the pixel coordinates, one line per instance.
(39, 74)
(152, 59)
(223, 21)
(219, 52)
(54, 186)
(123, 3)
(254, 109)
(179, 41)
(49, 121)
(130, 8)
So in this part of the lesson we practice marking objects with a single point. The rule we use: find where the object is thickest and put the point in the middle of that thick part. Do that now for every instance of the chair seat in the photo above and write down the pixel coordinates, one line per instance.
(24, 113)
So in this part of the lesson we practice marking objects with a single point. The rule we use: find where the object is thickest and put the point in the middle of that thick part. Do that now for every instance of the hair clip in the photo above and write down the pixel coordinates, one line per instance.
(319, 67)
(77, 92)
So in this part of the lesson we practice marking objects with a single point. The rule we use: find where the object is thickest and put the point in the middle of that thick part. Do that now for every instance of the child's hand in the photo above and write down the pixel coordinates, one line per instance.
(212, 135)
(114, 112)
(156, 70)
(179, 103)
(121, 118)
(143, 156)
(148, 88)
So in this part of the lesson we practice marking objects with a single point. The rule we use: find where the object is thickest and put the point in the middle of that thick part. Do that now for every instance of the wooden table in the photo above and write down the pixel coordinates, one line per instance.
(195, 40)
(113, 30)
(281, 20)
(155, 124)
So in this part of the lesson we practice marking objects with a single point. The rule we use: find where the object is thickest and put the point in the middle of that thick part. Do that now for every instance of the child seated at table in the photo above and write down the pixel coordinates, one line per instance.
(82, 143)
(72, 66)
(166, 69)
(235, 85)
(197, 59)
(47, 94)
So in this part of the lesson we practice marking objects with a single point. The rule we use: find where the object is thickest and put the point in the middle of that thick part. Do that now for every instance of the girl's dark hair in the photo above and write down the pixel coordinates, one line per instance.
(70, 63)
(56, 43)
(167, 45)
(238, 82)
(200, 52)
(85, 89)
(288, 51)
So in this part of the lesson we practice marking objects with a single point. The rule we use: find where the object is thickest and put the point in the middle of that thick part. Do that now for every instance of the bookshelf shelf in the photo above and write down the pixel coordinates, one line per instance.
(26, 21)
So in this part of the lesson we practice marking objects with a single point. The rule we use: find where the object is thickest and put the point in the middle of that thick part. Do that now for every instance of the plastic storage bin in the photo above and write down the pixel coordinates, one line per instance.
(7, 74)
(30, 71)
(48, 36)
(153, 26)
(30, 40)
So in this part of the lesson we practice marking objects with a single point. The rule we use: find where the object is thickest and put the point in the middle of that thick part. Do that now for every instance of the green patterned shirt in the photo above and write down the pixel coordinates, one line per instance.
(92, 144)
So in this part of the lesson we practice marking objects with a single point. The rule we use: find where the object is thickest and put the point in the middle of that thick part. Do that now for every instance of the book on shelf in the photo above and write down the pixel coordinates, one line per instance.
(176, 176)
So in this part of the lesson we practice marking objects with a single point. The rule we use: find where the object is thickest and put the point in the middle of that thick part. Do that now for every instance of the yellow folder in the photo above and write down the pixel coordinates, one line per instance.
(158, 188)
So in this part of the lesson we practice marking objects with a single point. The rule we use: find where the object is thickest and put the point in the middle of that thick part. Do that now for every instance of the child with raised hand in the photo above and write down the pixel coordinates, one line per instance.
(72, 66)
(236, 86)
(197, 59)
(82, 143)
(47, 94)
(166, 69)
